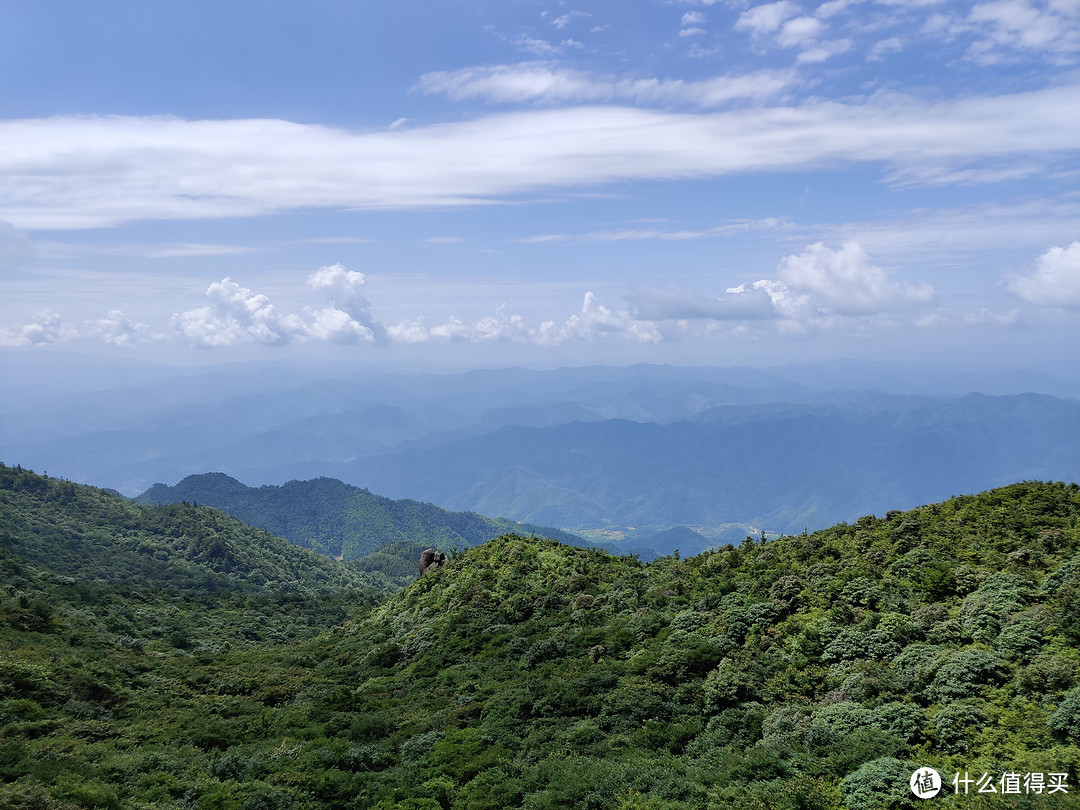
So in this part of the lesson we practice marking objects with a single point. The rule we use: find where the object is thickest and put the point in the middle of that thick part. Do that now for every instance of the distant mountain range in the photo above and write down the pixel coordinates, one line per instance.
(782, 467)
(630, 450)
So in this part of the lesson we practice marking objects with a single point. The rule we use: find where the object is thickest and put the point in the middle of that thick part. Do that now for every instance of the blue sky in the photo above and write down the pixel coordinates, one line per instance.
(542, 182)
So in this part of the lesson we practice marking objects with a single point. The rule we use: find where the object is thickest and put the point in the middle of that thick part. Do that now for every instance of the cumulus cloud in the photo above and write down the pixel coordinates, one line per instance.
(1055, 281)
(235, 314)
(46, 328)
(117, 329)
(693, 18)
(349, 320)
(595, 321)
(846, 283)
(68, 172)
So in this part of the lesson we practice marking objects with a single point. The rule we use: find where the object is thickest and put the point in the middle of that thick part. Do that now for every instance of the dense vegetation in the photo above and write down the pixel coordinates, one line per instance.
(812, 671)
(350, 522)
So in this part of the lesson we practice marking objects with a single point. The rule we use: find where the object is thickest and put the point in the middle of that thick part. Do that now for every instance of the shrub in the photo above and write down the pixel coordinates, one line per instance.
(955, 725)
(965, 670)
(985, 611)
(879, 784)
(1065, 720)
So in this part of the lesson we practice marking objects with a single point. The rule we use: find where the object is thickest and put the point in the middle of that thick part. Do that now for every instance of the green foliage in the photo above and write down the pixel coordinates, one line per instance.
(880, 783)
(803, 673)
(1066, 718)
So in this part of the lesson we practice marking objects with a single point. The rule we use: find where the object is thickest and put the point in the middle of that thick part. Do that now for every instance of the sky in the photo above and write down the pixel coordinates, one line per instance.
(456, 184)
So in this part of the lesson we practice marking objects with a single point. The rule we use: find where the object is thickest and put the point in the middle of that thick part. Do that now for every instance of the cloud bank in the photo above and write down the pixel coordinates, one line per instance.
(818, 289)
(83, 172)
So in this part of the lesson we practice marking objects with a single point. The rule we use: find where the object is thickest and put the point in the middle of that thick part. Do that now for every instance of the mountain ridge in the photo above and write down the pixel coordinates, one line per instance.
(341, 520)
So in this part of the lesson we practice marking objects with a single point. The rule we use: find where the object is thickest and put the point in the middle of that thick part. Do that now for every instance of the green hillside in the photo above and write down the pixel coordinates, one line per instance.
(338, 519)
(813, 671)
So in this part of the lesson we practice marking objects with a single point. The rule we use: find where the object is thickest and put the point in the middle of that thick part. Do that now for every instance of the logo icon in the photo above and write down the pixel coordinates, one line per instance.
(925, 783)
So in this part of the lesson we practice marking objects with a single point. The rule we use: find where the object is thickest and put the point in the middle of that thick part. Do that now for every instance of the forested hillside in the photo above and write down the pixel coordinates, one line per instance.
(809, 671)
(335, 518)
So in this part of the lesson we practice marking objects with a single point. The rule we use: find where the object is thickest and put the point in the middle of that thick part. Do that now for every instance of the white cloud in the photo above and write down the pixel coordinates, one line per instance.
(117, 329)
(845, 282)
(821, 51)
(47, 327)
(692, 18)
(817, 289)
(833, 7)
(564, 20)
(93, 172)
(799, 32)
(540, 47)
(1048, 29)
(884, 46)
(336, 326)
(1010, 30)
(237, 315)
(596, 321)
(1055, 281)
(793, 29)
(766, 19)
(691, 32)
(341, 285)
(349, 319)
(593, 322)
(542, 82)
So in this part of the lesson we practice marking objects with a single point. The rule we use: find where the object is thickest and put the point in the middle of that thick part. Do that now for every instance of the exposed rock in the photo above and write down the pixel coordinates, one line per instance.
(430, 558)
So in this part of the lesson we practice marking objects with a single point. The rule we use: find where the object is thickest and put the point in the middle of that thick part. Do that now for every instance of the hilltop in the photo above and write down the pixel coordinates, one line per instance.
(331, 517)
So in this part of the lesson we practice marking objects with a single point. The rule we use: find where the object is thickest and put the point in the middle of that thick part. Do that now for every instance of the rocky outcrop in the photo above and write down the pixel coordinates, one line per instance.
(430, 558)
